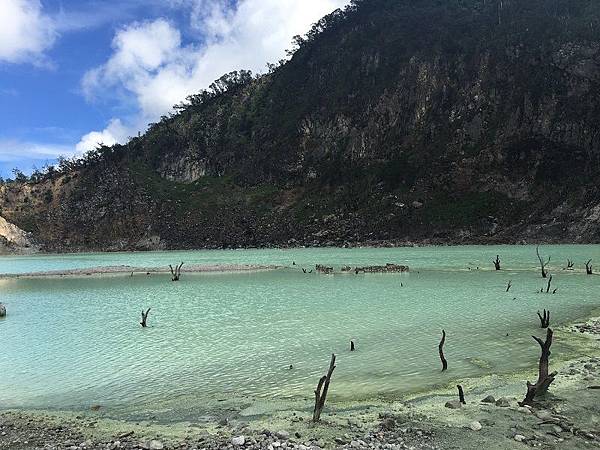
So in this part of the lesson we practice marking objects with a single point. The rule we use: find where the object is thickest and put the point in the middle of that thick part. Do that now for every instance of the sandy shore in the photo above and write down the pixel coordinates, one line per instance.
(569, 418)
(131, 270)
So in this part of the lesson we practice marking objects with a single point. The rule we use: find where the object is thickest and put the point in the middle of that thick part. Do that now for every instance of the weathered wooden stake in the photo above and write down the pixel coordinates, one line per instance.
(588, 268)
(441, 349)
(321, 391)
(545, 379)
(145, 317)
(542, 263)
(497, 262)
(175, 273)
(461, 394)
(545, 319)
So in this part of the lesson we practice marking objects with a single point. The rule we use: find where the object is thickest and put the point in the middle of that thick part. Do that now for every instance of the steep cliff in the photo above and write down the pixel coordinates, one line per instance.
(394, 121)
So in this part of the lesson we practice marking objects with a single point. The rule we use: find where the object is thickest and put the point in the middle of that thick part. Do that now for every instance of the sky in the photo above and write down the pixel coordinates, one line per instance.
(76, 73)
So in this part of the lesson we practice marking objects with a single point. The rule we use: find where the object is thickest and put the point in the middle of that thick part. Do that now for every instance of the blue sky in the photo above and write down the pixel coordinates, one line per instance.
(74, 73)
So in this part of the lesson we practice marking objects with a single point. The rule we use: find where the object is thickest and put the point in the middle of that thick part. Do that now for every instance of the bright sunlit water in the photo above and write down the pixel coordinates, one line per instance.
(217, 340)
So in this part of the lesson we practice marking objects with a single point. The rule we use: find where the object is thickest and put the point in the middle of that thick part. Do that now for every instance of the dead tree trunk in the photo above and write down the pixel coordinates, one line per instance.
(542, 263)
(143, 323)
(461, 394)
(441, 349)
(497, 262)
(544, 319)
(549, 283)
(570, 264)
(509, 286)
(588, 268)
(321, 391)
(176, 272)
(545, 379)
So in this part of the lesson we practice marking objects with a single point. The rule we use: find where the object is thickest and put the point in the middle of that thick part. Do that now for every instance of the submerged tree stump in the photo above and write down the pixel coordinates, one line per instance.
(589, 268)
(144, 323)
(352, 347)
(497, 262)
(544, 319)
(441, 350)
(175, 272)
(321, 391)
(542, 263)
(461, 394)
(545, 379)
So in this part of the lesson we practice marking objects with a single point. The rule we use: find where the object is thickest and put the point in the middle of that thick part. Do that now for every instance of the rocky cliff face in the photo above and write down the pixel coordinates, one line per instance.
(395, 121)
(14, 240)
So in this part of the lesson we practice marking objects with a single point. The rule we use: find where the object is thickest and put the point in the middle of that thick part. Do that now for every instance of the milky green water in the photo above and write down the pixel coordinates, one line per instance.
(220, 343)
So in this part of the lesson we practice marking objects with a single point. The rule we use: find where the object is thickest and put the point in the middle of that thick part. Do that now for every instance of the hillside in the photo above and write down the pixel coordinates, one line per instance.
(395, 121)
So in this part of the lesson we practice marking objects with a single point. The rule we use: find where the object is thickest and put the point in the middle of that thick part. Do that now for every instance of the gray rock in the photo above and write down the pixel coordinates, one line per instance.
(282, 435)
(489, 399)
(454, 404)
(519, 437)
(2, 310)
(156, 445)
(475, 426)
(503, 402)
(543, 414)
(238, 440)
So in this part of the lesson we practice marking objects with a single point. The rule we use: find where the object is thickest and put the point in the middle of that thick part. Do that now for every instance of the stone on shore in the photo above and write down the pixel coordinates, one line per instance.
(238, 441)
(503, 402)
(489, 399)
(454, 404)
(475, 426)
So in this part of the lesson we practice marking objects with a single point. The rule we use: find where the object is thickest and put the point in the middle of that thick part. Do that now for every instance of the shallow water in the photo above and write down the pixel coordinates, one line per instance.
(74, 342)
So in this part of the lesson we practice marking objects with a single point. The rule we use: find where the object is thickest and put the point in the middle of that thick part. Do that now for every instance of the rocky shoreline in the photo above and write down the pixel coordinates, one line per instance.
(566, 419)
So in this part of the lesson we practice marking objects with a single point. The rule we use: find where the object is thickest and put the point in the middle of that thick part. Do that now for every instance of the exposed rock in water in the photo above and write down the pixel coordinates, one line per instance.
(2, 310)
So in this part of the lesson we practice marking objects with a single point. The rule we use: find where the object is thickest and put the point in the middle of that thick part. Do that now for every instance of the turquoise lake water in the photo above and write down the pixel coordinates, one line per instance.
(224, 342)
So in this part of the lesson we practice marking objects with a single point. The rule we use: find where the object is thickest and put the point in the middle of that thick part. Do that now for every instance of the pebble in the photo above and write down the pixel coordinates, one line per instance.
(503, 402)
(475, 426)
(282, 435)
(454, 404)
(238, 440)
(543, 414)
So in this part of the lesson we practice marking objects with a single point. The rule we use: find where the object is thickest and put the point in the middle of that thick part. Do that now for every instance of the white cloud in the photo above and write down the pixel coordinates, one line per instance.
(13, 150)
(151, 64)
(115, 132)
(25, 32)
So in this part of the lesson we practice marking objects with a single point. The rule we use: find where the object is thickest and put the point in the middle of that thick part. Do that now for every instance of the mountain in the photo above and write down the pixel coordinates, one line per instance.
(395, 121)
